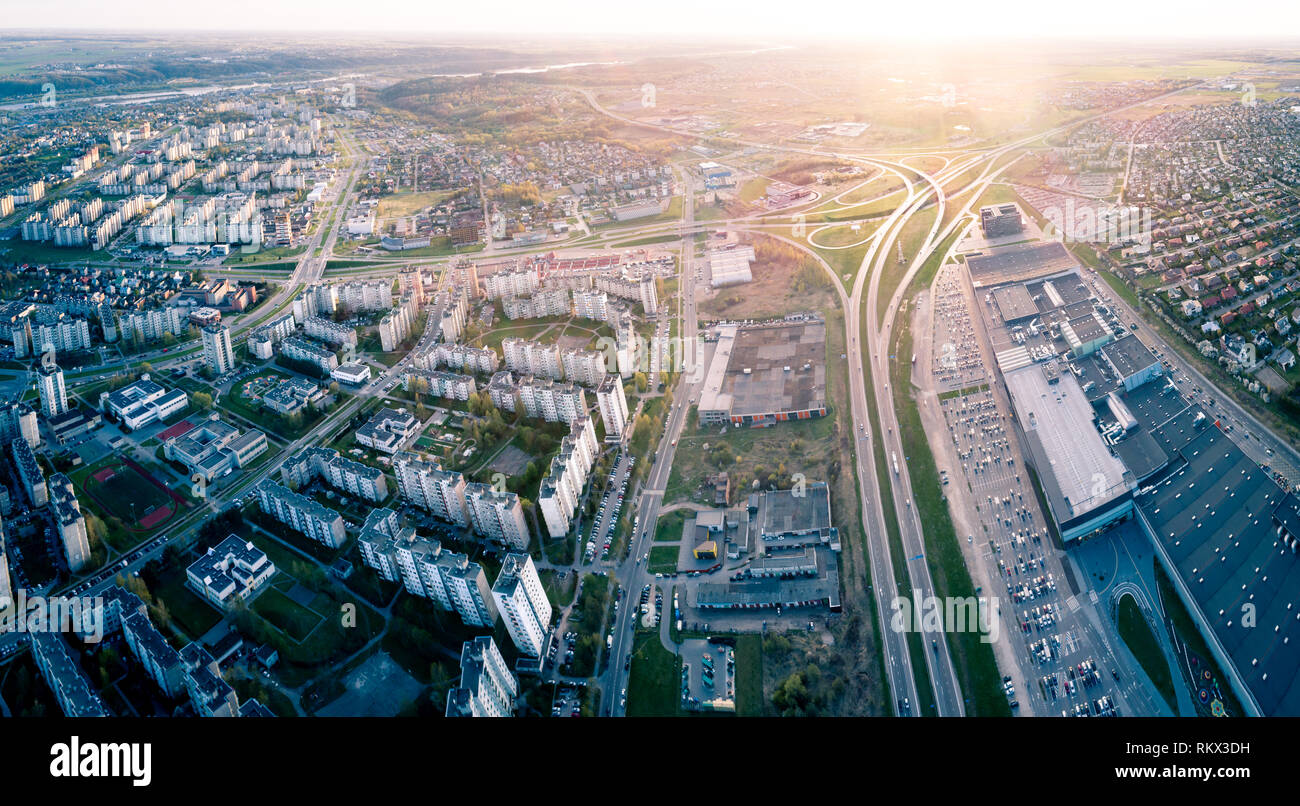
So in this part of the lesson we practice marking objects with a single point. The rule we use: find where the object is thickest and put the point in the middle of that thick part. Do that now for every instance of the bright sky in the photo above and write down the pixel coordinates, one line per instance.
(1130, 19)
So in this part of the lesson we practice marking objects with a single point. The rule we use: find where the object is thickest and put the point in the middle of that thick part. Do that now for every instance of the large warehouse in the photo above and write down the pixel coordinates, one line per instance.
(767, 373)
(1087, 487)
(1228, 536)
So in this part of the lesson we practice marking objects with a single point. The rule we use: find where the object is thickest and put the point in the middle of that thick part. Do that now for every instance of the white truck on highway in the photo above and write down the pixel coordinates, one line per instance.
(895, 454)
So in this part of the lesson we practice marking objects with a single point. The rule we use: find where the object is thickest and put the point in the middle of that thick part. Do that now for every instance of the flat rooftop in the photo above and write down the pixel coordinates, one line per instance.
(1014, 303)
(1128, 356)
(1018, 263)
(1216, 520)
(1078, 472)
(786, 512)
(767, 369)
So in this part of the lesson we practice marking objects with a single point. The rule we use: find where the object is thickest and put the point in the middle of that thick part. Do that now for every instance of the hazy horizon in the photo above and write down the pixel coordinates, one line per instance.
(1250, 20)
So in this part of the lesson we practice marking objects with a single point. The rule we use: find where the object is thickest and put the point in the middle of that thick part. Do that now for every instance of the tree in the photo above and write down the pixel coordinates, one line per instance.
(202, 400)
(642, 383)
(96, 530)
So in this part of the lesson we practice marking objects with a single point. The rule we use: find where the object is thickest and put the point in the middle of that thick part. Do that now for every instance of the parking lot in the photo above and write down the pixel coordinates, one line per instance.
(1057, 658)
(708, 672)
(611, 505)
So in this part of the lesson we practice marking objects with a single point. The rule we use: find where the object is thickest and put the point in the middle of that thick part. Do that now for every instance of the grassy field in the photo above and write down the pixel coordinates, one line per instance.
(654, 685)
(663, 560)
(913, 235)
(288, 616)
(797, 446)
(126, 495)
(405, 204)
(1136, 632)
(1152, 68)
(264, 256)
(668, 529)
(754, 189)
(843, 235)
(749, 675)
(189, 612)
(873, 190)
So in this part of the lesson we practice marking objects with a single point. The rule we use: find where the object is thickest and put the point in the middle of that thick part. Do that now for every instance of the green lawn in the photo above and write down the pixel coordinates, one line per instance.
(654, 685)
(288, 616)
(1136, 632)
(192, 614)
(669, 527)
(663, 560)
(749, 675)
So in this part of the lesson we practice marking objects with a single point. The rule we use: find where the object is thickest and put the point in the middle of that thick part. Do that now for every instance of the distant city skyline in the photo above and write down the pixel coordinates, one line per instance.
(840, 19)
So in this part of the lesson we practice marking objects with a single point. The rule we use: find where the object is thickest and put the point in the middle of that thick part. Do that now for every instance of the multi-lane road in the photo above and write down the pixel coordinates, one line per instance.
(632, 573)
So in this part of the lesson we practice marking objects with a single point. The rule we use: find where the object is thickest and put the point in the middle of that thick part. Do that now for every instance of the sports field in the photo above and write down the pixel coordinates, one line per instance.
(129, 495)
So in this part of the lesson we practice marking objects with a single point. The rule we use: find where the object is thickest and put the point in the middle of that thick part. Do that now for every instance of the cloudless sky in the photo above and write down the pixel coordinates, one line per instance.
(1130, 19)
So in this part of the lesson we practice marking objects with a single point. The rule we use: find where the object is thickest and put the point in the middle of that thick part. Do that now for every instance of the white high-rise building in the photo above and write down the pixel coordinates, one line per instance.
(522, 602)
(217, 352)
(649, 297)
(70, 522)
(497, 515)
(54, 397)
(425, 484)
(613, 407)
(487, 687)
(586, 367)
(558, 495)
(526, 357)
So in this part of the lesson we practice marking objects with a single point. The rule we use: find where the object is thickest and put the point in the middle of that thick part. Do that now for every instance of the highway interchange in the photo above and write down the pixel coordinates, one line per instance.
(867, 336)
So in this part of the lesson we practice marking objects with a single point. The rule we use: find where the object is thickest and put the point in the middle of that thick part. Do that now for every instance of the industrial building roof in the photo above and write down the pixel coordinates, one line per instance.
(1014, 303)
(1077, 469)
(1128, 356)
(767, 369)
(1221, 522)
(1018, 263)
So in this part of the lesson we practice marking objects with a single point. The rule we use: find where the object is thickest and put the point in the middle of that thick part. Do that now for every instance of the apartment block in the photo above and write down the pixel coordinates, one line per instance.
(218, 355)
(329, 331)
(525, 357)
(29, 472)
(426, 570)
(497, 515)
(320, 523)
(612, 401)
(69, 522)
(425, 484)
(522, 603)
(360, 480)
(487, 686)
(300, 349)
(550, 401)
